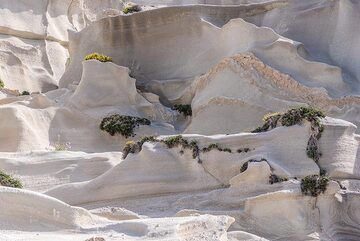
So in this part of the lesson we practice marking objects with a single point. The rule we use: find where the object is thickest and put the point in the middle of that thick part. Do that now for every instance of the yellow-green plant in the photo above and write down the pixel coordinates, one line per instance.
(99, 57)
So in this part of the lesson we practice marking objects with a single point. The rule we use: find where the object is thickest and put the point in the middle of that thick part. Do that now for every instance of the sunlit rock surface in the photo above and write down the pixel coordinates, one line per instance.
(232, 61)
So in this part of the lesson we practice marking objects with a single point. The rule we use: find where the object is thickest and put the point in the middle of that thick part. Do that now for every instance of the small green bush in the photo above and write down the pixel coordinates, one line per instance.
(99, 57)
(184, 109)
(292, 117)
(296, 115)
(25, 92)
(124, 125)
(314, 185)
(275, 179)
(2, 85)
(8, 181)
(131, 8)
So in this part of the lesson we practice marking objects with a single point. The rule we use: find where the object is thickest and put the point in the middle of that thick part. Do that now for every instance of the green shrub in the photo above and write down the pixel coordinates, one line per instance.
(124, 125)
(184, 109)
(99, 57)
(175, 141)
(211, 147)
(25, 92)
(135, 147)
(8, 181)
(148, 139)
(2, 85)
(131, 8)
(296, 115)
(275, 179)
(314, 185)
(227, 150)
(130, 147)
(292, 117)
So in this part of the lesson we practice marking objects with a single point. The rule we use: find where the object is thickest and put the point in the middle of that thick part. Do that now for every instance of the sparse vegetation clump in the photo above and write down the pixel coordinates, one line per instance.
(135, 147)
(25, 92)
(176, 141)
(59, 145)
(294, 116)
(314, 185)
(124, 125)
(131, 8)
(99, 57)
(184, 109)
(245, 150)
(275, 179)
(215, 146)
(244, 167)
(62, 146)
(270, 122)
(130, 147)
(2, 85)
(9, 181)
(211, 147)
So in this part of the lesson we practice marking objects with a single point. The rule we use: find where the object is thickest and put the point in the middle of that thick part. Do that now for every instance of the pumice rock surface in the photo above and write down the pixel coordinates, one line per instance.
(179, 120)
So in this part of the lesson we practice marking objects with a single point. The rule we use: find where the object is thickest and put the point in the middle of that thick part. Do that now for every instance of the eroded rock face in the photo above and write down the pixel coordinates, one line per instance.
(200, 175)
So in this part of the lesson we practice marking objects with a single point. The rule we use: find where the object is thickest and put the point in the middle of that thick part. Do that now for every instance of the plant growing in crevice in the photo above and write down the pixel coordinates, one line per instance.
(124, 125)
(100, 57)
(211, 147)
(176, 141)
(295, 116)
(227, 150)
(314, 185)
(184, 109)
(216, 146)
(25, 92)
(7, 180)
(2, 85)
(245, 166)
(275, 179)
(270, 122)
(130, 147)
(135, 147)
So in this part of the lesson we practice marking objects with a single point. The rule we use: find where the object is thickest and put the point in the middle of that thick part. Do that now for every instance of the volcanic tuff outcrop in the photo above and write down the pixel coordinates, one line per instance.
(200, 174)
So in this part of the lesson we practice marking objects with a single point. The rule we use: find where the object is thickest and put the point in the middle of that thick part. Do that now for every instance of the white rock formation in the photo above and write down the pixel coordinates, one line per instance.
(232, 61)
